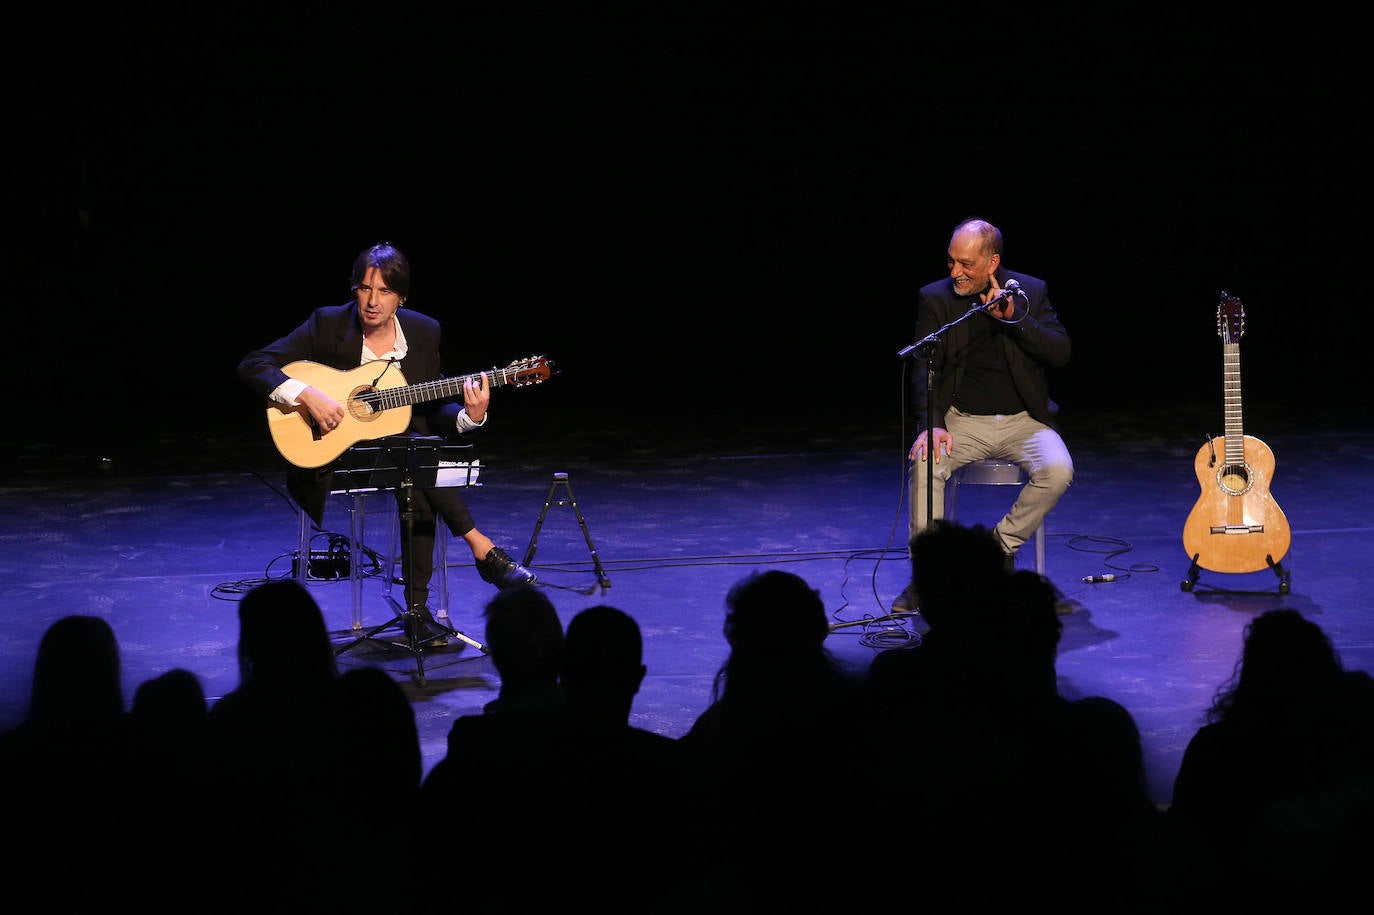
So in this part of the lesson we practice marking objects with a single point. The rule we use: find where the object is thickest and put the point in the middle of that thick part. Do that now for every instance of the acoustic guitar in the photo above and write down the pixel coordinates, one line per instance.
(376, 401)
(1235, 526)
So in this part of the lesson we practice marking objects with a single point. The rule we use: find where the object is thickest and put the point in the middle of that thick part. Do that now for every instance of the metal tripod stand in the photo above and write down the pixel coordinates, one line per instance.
(561, 480)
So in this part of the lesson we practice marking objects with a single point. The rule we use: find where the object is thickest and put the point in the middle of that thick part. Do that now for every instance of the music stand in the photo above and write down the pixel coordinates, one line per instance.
(399, 463)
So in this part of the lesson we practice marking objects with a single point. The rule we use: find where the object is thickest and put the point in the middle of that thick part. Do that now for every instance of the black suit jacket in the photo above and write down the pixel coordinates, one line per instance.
(333, 336)
(1037, 343)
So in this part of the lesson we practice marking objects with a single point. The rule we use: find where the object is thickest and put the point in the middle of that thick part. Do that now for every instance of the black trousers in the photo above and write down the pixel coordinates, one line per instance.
(426, 508)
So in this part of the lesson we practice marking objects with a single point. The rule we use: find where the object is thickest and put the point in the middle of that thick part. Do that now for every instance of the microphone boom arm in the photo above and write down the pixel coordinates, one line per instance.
(923, 347)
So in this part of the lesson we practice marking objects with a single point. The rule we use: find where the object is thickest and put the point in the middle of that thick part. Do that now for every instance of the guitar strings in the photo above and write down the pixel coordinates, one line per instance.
(389, 398)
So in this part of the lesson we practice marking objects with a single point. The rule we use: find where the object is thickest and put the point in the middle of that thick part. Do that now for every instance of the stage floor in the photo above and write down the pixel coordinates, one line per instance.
(163, 548)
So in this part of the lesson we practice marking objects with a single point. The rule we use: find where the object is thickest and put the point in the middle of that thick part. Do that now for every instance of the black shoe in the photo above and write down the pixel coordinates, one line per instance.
(426, 629)
(1009, 563)
(906, 601)
(497, 568)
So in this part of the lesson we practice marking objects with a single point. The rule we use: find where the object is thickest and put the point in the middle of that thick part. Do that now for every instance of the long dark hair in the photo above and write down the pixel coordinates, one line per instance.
(394, 266)
(1286, 661)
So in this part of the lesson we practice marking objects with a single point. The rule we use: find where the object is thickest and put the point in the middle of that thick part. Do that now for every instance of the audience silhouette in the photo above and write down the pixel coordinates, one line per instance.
(314, 786)
(780, 730)
(68, 768)
(170, 708)
(268, 743)
(376, 768)
(1275, 793)
(379, 744)
(495, 773)
(1001, 767)
(603, 667)
(168, 718)
(608, 769)
(956, 569)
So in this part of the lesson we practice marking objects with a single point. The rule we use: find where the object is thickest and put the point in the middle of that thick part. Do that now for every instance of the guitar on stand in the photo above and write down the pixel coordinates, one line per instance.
(376, 401)
(1235, 525)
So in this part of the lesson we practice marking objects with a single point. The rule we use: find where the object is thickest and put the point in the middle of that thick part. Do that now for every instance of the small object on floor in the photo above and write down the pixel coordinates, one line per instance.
(497, 568)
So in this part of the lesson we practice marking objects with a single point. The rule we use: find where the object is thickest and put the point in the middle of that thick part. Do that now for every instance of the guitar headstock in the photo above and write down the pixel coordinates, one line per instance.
(1230, 318)
(530, 370)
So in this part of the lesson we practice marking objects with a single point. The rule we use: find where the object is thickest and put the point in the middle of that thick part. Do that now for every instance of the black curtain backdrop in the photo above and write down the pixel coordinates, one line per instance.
(711, 218)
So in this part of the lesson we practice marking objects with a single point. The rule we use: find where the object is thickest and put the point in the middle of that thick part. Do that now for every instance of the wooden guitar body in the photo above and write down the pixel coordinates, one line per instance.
(1235, 525)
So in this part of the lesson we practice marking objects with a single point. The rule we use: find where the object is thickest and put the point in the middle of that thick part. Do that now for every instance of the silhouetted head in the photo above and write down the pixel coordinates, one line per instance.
(1027, 615)
(1286, 660)
(76, 673)
(172, 698)
(1120, 764)
(774, 612)
(524, 634)
(380, 739)
(776, 625)
(1283, 645)
(603, 652)
(952, 566)
(283, 637)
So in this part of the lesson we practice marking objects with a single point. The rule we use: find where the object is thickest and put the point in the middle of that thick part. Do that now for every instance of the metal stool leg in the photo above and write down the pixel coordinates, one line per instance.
(355, 555)
(356, 510)
(993, 473)
(303, 548)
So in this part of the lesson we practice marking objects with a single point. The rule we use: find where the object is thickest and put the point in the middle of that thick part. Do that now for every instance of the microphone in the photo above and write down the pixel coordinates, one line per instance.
(1094, 579)
(1012, 288)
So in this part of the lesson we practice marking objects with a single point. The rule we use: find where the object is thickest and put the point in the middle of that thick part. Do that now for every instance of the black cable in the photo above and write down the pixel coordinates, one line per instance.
(670, 562)
(1111, 547)
(892, 631)
(235, 590)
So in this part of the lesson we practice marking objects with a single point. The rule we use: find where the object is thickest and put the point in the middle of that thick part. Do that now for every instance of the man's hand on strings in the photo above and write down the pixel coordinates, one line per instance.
(324, 410)
(477, 397)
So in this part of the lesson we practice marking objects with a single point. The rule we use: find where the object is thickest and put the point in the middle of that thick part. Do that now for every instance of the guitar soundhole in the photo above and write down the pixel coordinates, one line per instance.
(359, 407)
(1235, 479)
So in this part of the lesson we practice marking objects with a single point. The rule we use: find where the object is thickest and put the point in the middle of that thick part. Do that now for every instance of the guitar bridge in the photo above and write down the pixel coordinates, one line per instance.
(1237, 529)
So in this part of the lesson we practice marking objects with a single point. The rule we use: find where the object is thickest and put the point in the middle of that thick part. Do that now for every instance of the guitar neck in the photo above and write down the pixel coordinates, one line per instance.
(1235, 428)
(425, 391)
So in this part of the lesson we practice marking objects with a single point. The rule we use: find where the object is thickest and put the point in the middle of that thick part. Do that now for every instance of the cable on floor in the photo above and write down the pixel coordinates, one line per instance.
(1111, 547)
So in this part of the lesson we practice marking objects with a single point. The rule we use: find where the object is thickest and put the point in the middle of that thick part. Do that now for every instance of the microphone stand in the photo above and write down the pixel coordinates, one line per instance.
(925, 349)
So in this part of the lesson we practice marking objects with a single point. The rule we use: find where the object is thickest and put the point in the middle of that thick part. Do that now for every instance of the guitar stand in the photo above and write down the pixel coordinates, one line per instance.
(1194, 570)
(406, 618)
(561, 479)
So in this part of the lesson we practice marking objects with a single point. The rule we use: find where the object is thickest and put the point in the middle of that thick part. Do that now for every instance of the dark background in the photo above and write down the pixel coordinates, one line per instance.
(712, 218)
